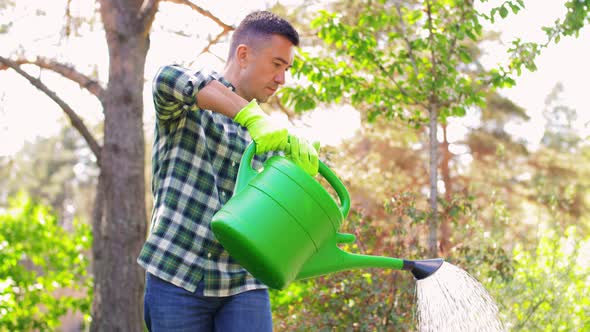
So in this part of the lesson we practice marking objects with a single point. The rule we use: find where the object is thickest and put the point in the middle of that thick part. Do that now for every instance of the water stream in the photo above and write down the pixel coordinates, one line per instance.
(452, 300)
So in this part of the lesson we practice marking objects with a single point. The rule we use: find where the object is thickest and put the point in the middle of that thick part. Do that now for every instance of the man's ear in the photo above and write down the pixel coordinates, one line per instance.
(242, 55)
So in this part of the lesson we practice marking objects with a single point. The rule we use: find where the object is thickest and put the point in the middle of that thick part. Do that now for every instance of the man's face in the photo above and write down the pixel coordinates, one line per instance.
(264, 69)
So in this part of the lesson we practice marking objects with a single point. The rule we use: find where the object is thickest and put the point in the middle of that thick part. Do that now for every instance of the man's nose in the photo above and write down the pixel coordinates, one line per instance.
(280, 77)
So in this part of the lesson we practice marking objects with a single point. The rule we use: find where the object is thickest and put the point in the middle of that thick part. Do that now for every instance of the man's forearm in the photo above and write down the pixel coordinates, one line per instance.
(218, 98)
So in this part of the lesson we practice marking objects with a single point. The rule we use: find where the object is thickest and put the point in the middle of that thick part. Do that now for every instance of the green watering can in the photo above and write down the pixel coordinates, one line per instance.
(281, 225)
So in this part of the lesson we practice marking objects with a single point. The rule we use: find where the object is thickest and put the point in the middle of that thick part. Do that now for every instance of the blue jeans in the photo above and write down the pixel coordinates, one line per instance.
(168, 308)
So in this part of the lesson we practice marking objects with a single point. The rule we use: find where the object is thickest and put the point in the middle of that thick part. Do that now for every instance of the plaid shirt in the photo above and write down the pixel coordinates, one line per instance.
(195, 161)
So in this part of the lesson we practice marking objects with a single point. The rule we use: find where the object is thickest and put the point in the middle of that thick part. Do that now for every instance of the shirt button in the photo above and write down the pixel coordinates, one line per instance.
(188, 89)
(233, 164)
(223, 193)
(209, 255)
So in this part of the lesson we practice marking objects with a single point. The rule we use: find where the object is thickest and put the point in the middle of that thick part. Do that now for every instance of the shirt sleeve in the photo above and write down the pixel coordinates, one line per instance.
(175, 88)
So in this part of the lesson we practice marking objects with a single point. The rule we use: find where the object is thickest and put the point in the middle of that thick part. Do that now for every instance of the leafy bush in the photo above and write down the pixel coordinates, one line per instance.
(363, 300)
(550, 285)
(541, 287)
(356, 300)
(38, 261)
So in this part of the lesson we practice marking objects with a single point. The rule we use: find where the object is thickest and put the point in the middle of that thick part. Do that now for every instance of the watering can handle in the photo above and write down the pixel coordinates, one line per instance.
(335, 182)
(246, 173)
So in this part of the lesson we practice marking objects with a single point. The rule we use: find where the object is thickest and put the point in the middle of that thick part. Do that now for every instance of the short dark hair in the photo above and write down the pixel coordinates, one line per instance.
(261, 24)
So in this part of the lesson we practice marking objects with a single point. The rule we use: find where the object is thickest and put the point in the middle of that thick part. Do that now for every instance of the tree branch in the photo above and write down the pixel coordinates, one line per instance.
(454, 40)
(530, 313)
(405, 37)
(147, 13)
(203, 12)
(208, 47)
(68, 18)
(397, 84)
(64, 70)
(74, 118)
(434, 97)
(215, 40)
(226, 28)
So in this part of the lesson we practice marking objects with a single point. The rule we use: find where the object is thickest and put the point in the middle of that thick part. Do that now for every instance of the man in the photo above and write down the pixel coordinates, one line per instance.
(204, 123)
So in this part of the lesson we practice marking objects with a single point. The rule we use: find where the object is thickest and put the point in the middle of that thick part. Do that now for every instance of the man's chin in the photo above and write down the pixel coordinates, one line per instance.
(263, 99)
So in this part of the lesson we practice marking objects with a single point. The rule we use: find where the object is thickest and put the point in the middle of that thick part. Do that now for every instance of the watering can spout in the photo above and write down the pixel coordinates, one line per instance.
(329, 259)
(424, 268)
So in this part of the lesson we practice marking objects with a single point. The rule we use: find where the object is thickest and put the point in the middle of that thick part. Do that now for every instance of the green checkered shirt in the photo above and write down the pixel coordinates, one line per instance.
(195, 161)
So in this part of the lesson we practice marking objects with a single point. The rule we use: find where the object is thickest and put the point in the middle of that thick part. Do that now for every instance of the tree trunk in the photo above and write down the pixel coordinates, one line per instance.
(120, 225)
(433, 220)
(445, 170)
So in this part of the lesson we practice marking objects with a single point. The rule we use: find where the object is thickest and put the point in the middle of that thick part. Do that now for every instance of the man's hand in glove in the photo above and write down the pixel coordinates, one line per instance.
(303, 154)
(268, 135)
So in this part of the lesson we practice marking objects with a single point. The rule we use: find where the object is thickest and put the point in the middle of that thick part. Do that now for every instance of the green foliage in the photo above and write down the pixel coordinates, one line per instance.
(39, 261)
(525, 53)
(559, 185)
(549, 288)
(58, 171)
(494, 225)
(574, 20)
(367, 300)
(515, 7)
(358, 300)
(398, 61)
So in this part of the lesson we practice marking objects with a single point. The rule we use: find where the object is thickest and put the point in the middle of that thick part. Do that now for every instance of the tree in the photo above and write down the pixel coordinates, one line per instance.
(411, 62)
(416, 63)
(119, 216)
(502, 195)
(57, 171)
(559, 131)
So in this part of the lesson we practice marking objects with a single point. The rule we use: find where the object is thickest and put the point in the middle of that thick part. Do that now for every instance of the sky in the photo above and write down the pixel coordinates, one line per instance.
(26, 113)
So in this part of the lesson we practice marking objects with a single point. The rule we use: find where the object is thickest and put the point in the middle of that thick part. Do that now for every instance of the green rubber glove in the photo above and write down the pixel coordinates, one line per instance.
(268, 135)
(303, 154)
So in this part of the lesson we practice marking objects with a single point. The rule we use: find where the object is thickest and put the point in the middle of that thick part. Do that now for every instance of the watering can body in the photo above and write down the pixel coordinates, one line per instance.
(282, 225)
